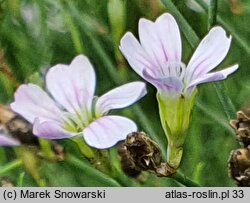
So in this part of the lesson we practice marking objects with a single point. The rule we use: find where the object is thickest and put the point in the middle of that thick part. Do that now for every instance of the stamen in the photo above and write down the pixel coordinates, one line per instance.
(72, 123)
(173, 69)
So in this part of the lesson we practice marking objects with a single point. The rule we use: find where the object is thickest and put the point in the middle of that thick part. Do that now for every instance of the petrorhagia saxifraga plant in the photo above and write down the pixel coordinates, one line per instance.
(72, 109)
(157, 59)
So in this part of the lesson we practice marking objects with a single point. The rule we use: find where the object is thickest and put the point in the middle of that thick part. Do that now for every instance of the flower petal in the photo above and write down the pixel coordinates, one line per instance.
(107, 131)
(215, 76)
(170, 86)
(50, 130)
(210, 52)
(72, 85)
(137, 58)
(170, 37)
(32, 102)
(150, 42)
(8, 141)
(120, 97)
(161, 39)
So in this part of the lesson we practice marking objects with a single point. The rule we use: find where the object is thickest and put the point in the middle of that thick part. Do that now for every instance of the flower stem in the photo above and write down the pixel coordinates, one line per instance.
(214, 117)
(212, 13)
(91, 172)
(10, 166)
(184, 180)
(75, 34)
(187, 30)
(174, 155)
(31, 163)
(47, 149)
(20, 179)
(224, 100)
(243, 43)
(83, 147)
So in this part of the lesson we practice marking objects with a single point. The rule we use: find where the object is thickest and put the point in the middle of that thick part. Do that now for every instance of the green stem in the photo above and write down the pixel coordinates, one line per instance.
(225, 102)
(215, 118)
(11, 166)
(181, 178)
(212, 14)
(83, 147)
(91, 172)
(47, 149)
(20, 179)
(75, 35)
(243, 43)
(186, 29)
(174, 155)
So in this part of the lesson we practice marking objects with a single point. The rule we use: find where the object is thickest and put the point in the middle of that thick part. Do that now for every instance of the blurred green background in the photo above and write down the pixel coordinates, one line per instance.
(35, 35)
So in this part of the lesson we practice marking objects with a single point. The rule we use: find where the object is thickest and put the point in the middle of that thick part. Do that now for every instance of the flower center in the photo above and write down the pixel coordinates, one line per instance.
(76, 122)
(173, 69)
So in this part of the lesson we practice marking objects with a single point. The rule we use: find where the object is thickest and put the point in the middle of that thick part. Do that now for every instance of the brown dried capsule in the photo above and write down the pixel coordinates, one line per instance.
(16, 126)
(242, 127)
(140, 153)
(127, 164)
(143, 151)
(239, 166)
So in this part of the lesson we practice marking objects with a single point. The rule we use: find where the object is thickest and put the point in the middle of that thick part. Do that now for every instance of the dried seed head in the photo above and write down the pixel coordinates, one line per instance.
(144, 152)
(242, 127)
(127, 164)
(140, 153)
(16, 126)
(22, 130)
(239, 166)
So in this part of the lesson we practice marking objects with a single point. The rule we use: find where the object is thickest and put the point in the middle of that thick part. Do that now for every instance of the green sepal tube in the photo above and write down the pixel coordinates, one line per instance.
(175, 116)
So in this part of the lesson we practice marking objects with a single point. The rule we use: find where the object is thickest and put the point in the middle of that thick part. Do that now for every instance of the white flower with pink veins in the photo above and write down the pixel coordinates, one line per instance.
(72, 109)
(157, 57)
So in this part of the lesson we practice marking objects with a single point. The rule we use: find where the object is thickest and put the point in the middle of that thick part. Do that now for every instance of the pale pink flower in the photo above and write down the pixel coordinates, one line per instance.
(157, 57)
(71, 108)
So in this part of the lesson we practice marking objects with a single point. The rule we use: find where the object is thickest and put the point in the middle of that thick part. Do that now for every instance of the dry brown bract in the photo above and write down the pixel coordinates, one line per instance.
(143, 154)
(242, 127)
(239, 160)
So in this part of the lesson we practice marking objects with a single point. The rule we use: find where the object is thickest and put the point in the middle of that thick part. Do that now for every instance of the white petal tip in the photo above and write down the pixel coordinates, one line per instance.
(126, 36)
(107, 131)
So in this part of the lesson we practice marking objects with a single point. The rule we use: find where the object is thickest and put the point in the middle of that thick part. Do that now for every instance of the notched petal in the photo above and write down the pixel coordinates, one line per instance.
(72, 85)
(31, 102)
